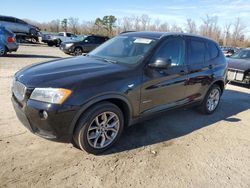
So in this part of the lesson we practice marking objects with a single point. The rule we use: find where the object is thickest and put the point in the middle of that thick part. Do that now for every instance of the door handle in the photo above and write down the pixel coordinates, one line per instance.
(182, 72)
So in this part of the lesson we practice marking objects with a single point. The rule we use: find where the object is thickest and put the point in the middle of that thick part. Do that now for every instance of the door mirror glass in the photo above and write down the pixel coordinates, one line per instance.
(160, 63)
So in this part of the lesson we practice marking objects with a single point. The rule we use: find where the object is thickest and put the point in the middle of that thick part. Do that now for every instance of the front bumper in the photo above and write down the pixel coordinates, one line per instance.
(56, 127)
(67, 50)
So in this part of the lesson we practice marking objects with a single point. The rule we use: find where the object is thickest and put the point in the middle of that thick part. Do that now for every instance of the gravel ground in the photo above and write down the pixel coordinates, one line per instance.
(179, 149)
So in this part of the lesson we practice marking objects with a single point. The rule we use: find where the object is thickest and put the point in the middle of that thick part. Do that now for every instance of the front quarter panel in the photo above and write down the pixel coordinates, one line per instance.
(124, 84)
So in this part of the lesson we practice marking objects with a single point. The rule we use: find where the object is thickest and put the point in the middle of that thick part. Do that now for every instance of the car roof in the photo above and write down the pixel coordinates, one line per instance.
(8, 16)
(158, 35)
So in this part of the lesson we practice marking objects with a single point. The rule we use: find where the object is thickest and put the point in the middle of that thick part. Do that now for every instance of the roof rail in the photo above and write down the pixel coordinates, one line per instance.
(126, 32)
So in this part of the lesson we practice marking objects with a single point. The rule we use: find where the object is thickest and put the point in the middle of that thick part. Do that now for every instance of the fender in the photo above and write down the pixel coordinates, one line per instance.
(97, 99)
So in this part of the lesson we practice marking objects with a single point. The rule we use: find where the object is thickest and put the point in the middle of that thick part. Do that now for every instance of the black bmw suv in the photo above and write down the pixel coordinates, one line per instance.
(89, 100)
(83, 46)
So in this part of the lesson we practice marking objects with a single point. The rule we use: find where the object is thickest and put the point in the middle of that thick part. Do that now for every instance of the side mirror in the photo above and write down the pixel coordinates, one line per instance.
(160, 63)
(86, 40)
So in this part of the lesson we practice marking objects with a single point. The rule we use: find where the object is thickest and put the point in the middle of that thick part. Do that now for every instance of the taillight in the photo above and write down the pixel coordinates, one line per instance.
(11, 39)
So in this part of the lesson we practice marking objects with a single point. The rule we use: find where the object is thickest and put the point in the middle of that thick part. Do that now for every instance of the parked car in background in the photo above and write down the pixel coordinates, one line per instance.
(85, 45)
(18, 26)
(239, 67)
(228, 51)
(7, 41)
(56, 40)
(45, 37)
(89, 100)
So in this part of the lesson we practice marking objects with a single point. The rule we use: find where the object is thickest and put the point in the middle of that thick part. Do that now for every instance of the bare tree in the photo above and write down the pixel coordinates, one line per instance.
(227, 34)
(127, 24)
(137, 21)
(175, 28)
(238, 31)
(210, 28)
(145, 21)
(73, 24)
(164, 27)
(191, 26)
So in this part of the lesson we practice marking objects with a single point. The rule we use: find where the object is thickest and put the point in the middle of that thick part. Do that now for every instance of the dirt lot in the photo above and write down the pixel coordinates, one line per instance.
(180, 149)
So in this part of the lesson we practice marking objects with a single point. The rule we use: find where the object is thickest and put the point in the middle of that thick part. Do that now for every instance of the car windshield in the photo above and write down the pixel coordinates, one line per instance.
(123, 49)
(242, 54)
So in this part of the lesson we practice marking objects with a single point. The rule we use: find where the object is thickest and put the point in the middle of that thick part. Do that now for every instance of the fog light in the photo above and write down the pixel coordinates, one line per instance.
(45, 114)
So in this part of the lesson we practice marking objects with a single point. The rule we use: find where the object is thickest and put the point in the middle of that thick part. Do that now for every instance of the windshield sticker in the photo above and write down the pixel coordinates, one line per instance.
(142, 41)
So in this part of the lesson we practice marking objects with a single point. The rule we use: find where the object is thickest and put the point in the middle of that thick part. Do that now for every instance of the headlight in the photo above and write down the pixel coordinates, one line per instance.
(50, 95)
(68, 45)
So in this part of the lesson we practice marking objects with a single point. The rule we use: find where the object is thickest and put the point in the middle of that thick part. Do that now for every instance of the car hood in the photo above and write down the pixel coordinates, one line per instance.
(240, 64)
(66, 72)
(73, 40)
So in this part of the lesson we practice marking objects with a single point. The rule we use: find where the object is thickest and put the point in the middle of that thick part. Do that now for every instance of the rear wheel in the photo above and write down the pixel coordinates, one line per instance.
(211, 100)
(3, 50)
(99, 128)
(78, 51)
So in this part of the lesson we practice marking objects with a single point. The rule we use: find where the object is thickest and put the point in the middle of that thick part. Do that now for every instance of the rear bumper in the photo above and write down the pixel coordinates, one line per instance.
(13, 47)
(238, 76)
(56, 127)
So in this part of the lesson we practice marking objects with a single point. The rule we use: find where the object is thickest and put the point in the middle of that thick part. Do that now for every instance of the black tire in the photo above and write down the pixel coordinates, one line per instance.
(57, 42)
(204, 106)
(50, 43)
(80, 137)
(78, 51)
(3, 51)
(34, 40)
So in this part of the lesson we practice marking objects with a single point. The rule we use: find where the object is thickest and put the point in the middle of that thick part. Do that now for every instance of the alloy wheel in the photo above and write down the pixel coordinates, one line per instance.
(103, 130)
(213, 99)
(78, 52)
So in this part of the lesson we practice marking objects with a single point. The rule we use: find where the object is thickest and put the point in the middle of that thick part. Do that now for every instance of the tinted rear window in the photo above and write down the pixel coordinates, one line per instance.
(213, 50)
(8, 19)
(197, 52)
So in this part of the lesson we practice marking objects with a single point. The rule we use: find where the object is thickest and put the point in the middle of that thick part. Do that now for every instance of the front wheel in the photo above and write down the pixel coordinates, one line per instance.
(212, 99)
(78, 51)
(99, 128)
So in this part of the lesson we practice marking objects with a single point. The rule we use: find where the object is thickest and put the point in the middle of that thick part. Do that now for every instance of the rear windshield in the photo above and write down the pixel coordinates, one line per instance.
(3, 30)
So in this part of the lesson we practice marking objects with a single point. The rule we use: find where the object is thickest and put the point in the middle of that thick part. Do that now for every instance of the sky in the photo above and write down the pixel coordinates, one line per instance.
(171, 11)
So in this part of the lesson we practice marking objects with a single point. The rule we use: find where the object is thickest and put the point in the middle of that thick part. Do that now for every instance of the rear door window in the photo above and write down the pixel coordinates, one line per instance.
(20, 21)
(92, 40)
(197, 52)
(9, 19)
(69, 34)
(100, 40)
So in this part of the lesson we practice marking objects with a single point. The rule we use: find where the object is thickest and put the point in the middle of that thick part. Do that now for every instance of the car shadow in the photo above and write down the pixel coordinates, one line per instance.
(174, 124)
(34, 44)
(30, 56)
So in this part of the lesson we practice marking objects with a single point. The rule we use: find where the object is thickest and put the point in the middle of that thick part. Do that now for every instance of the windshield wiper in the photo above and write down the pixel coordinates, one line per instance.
(109, 60)
(103, 59)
